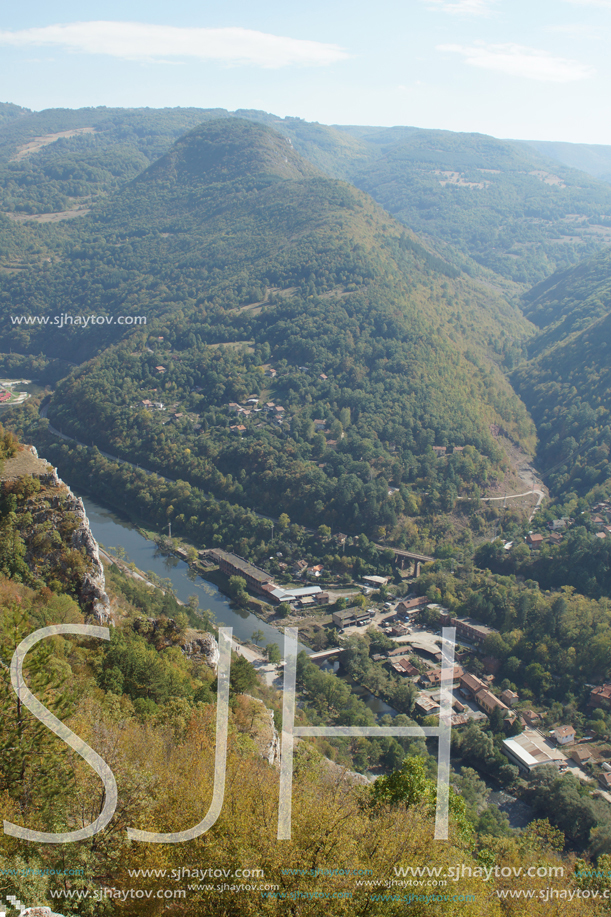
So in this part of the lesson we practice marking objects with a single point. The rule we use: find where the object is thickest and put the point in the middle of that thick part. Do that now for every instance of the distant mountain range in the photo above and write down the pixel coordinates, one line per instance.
(507, 210)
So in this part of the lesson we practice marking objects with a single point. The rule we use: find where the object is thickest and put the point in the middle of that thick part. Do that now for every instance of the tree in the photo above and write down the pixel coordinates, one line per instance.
(193, 604)
(283, 610)
(272, 651)
(473, 790)
(409, 785)
(243, 675)
(476, 744)
(237, 589)
(497, 721)
(257, 636)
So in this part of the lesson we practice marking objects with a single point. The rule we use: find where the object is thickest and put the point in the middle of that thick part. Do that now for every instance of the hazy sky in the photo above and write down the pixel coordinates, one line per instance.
(532, 69)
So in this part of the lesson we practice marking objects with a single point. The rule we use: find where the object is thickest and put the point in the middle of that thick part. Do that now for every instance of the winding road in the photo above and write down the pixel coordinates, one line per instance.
(527, 493)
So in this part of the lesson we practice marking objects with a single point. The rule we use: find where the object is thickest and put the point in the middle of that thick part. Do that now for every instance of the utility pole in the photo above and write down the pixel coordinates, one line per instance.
(169, 529)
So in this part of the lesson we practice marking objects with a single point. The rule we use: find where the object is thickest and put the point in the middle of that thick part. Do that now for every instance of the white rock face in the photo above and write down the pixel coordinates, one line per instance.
(205, 646)
(93, 590)
(272, 752)
(92, 593)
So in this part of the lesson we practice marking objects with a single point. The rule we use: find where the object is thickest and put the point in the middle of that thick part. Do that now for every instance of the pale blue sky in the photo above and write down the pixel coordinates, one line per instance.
(532, 69)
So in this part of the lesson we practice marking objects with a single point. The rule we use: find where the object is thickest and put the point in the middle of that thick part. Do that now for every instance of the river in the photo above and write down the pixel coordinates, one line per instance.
(111, 531)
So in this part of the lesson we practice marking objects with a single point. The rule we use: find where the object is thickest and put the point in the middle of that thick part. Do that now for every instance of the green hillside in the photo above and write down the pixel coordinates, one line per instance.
(494, 202)
(567, 383)
(234, 239)
(496, 208)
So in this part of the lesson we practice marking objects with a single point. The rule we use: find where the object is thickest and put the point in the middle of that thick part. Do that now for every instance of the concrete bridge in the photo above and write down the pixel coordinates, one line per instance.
(326, 654)
(407, 559)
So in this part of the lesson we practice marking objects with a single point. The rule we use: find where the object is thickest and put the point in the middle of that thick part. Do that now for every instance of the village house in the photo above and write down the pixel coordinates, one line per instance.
(433, 677)
(604, 780)
(468, 628)
(404, 667)
(470, 685)
(529, 717)
(581, 754)
(411, 607)
(460, 719)
(563, 735)
(397, 630)
(509, 697)
(488, 702)
(426, 706)
(349, 617)
(600, 696)
(534, 540)
(440, 450)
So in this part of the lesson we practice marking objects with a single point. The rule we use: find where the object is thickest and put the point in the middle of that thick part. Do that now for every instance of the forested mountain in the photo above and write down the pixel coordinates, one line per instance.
(495, 202)
(492, 205)
(243, 239)
(567, 383)
(379, 349)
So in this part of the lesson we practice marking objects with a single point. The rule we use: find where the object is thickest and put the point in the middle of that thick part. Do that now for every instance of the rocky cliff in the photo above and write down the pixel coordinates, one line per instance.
(52, 523)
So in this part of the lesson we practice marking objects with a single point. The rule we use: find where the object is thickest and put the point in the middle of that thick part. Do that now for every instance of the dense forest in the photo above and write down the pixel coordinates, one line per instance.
(511, 208)
(369, 348)
(566, 383)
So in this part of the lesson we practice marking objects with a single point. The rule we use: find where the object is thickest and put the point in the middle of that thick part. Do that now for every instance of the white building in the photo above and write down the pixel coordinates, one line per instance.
(531, 749)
